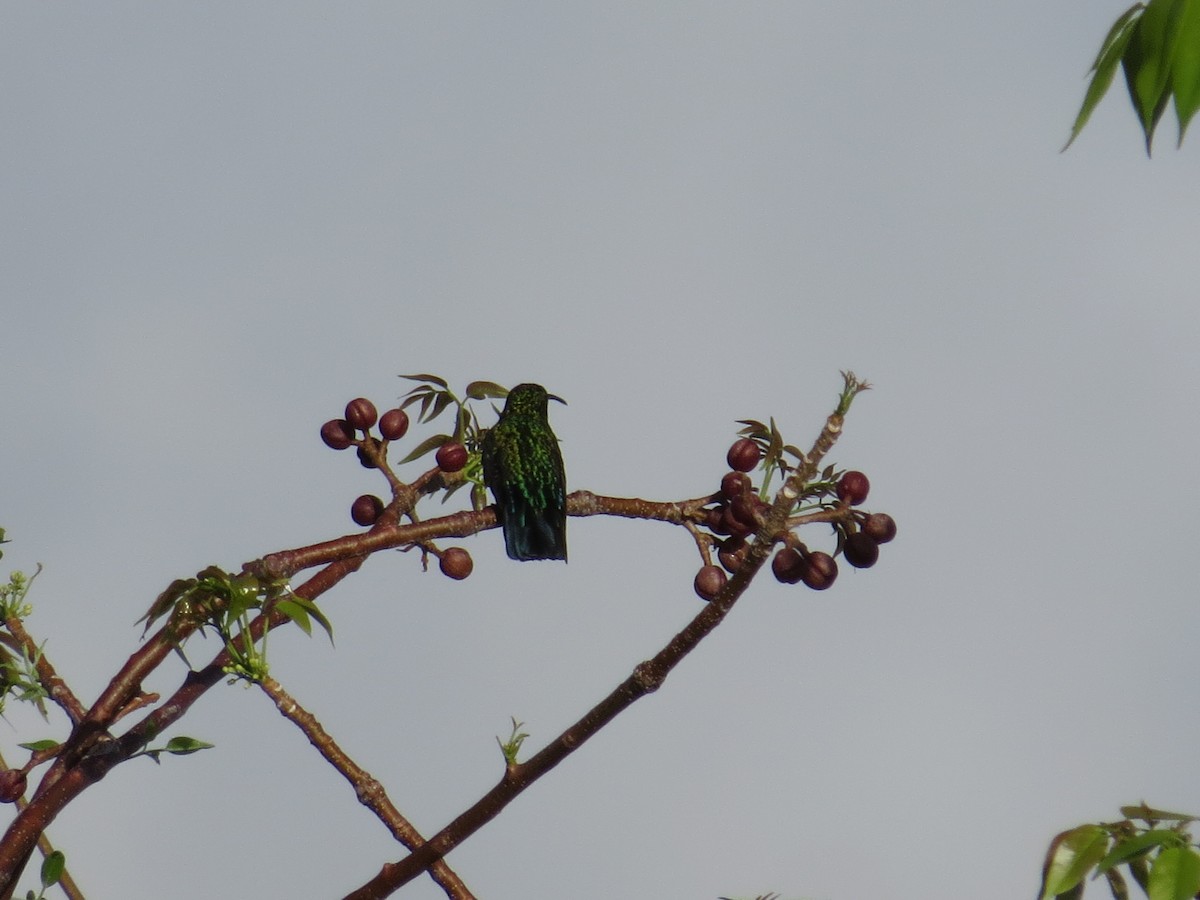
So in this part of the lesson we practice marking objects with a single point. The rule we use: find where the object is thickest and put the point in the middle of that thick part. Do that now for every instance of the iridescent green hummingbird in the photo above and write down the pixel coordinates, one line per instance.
(524, 469)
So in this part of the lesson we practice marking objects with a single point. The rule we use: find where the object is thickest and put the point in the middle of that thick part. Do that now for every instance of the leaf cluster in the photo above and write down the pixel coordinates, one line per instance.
(770, 442)
(1154, 847)
(1157, 45)
(52, 870)
(435, 397)
(227, 603)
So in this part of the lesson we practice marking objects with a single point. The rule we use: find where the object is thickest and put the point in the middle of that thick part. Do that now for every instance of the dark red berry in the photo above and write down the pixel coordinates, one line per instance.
(853, 488)
(361, 413)
(709, 580)
(731, 524)
(366, 509)
(451, 457)
(734, 484)
(732, 553)
(12, 785)
(456, 563)
(880, 526)
(788, 566)
(393, 424)
(860, 550)
(714, 520)
(365, 459)
(746, 509)
(337, 434)
(820, 570)
(743, 455)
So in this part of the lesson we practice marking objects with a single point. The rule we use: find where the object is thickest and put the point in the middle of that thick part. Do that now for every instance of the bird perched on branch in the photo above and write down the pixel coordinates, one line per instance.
(524, 470)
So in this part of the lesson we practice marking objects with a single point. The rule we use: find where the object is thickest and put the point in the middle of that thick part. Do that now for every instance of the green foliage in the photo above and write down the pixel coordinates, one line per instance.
(1162, 860)
(52, 870)
(1157, 45)
(435, 397)
(19, 679)
(512, 746)
(12, 595)
(176, 746)
(228, 603)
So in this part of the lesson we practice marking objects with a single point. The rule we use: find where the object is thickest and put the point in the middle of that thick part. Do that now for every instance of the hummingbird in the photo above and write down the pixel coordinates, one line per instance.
(524, 470)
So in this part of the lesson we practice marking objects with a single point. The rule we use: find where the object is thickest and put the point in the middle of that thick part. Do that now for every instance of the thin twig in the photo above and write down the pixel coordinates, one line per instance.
(369, 791)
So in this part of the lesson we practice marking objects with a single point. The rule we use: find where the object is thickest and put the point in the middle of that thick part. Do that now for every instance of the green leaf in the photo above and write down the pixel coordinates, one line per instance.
(1147, 61)
(1175, 874)
(182, 746)
(432, 379)
(479, 390)
(1071, 855)
(52, 868)
(38, 746)
(299, 609)
(1140, 843)
(1150, 814)
(1105, 67)
(439, 406)
(426, 446)
(1185, 71)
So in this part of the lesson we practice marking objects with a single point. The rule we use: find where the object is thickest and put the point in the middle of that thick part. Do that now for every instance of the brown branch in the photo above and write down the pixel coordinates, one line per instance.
(646, 678)
(55, 687)
(369, 791)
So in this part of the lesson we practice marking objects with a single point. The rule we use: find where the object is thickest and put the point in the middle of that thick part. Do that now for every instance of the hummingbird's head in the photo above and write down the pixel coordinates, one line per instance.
(529, 398)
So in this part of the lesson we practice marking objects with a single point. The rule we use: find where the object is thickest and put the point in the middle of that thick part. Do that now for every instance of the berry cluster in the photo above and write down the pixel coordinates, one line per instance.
(354, 430)
(737, 511)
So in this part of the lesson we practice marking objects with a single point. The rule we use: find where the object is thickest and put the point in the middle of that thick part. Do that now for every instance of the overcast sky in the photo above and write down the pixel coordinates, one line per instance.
(222, 221)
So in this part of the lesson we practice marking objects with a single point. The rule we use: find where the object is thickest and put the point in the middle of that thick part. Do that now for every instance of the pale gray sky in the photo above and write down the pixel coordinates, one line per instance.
(223, 221)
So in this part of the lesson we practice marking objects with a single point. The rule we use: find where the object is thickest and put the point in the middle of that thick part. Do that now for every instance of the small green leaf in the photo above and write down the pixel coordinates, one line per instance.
(479, 390)
(1175, 874)
(52, 868)
(426, 446)
(182, 746)
(1139, 843)
(432, 379)
(1150, 814)
(38, 746)
(305, 608)
(1071, 855)
(296, 613)
(1148, 59)
(1105, 67)
(1185, 70)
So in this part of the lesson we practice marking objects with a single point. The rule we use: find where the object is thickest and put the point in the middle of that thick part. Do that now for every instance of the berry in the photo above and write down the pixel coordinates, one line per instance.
(393, 424)
(366, 509)
(732, 553)
(880, 526)
(714, 520)
(745, 509)
(820, 570)
(365, 459)
(451, 457)
(788, 565)
(456, 563)
(734, 484)
(860, 550)
(709, 580)
(731, 524)
(853, 488)
(337, 434)
(743, 456)
(12, 785)
(361, 413)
